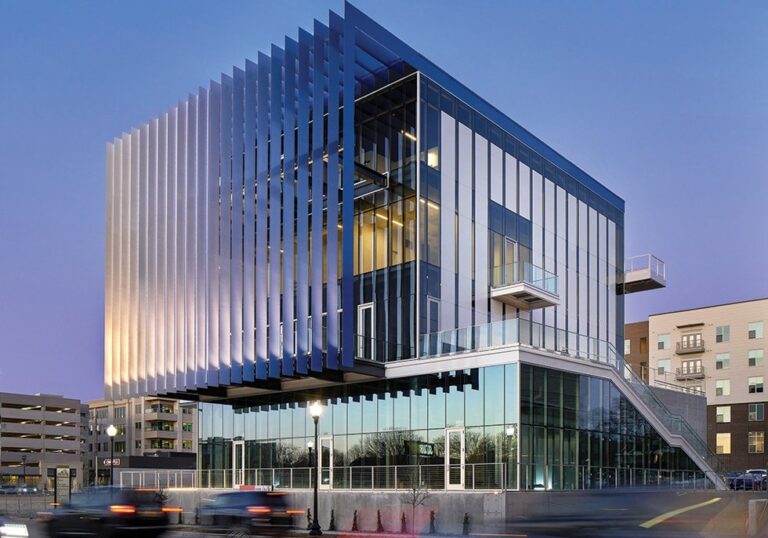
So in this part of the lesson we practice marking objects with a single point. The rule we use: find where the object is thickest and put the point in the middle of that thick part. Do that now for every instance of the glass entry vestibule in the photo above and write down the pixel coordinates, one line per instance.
(238, 463)
(455, 451)
(325, 462)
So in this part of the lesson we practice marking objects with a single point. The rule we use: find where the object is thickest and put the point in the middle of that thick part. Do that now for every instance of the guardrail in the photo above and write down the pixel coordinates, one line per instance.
(516, 331)
(643, 262)
(470, 476)
(514, 273)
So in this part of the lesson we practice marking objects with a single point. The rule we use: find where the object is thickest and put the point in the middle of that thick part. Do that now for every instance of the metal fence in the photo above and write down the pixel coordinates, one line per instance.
(471, 477)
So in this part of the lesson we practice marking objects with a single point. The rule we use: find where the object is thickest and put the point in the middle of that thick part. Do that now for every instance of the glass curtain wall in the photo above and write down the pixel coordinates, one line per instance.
(578, 431)
(488, 202)
(522, 426)
(386, 424)
(385, 222)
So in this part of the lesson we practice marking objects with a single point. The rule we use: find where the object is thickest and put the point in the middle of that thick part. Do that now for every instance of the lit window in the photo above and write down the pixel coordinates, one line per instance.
(723, 413)
(723, 387)
(755, 385)
(755, 357)
(627, 346)
(722, 334)
(723, 443)
(756, 442)
(756, 412)
(663, 341)
(722, 361)
(433, 160)
(755, 330)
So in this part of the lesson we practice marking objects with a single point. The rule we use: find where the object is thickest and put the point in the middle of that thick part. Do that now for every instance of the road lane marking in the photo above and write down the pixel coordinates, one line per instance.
(663, 517)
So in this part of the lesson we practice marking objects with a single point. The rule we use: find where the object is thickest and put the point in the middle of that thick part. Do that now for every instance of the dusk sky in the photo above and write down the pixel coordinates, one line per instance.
(666, 103)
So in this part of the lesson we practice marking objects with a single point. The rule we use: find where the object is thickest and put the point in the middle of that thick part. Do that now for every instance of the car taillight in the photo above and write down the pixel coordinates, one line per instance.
(122, 509)
(172, 509)
(259, 510)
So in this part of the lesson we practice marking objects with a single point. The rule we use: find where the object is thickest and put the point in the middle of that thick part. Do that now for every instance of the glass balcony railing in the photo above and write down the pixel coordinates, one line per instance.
(524, 272)
(646, 262)
(515, 331)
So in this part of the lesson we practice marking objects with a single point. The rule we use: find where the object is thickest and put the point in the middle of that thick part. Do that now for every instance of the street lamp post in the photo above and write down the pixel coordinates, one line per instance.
(316, 409)
(24, 472)
(111, 432)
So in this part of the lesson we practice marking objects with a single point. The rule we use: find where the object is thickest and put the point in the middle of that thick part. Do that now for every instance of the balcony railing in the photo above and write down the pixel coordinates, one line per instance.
(476, 476)
(644, 272)
(524, 285)
(686, 346)
(515, 331)
(686, 374)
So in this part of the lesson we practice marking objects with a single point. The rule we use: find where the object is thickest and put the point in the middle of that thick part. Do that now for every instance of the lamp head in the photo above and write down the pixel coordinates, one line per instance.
(316, 409)
(111, 430)
(310, 445)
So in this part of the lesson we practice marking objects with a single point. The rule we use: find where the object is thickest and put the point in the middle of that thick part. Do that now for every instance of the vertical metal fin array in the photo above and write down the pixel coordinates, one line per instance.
(289, 177)
(236, 291)
(303, 345)
(223, 221)
(225, 233)
(212, 196)
(249, 223)
(348, 194)
(275, 207)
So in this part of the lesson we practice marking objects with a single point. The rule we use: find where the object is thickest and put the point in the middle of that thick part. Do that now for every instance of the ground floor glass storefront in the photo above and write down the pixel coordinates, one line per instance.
(500, 427)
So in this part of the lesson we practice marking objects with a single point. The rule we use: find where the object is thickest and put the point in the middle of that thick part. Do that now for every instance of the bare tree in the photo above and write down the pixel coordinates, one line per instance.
(415, 496)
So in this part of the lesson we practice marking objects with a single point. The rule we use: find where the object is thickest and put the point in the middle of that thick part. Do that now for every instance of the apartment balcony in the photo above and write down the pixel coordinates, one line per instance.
(642, 273)
(689, 374)
(686, 348)
(157, 415)
(160, 434)
(525, 286)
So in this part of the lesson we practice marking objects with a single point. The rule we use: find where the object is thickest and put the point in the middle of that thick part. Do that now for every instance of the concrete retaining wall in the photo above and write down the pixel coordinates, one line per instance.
(486, 510)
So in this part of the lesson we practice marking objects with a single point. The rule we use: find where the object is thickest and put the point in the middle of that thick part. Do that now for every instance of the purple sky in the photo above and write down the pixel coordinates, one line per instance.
(665, 103)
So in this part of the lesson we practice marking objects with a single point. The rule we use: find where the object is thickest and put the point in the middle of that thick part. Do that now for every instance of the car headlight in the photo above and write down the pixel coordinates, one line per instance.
(15, 530)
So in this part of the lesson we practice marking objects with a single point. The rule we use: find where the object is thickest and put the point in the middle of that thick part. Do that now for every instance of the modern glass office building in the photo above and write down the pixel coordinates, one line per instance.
(343, 221)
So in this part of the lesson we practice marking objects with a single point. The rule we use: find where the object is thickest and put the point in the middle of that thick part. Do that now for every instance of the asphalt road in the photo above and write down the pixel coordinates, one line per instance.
(644, 515)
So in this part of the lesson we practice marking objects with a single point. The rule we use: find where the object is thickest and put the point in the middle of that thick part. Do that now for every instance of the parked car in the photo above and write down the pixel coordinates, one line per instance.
(111, 512)
(246, 512)
(730, 479)
(750, 481)
(8, 490)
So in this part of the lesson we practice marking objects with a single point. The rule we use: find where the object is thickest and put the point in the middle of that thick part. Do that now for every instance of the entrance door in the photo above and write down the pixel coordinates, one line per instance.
(366, 336)
(454, 458)
(238, 463)
(325, 463)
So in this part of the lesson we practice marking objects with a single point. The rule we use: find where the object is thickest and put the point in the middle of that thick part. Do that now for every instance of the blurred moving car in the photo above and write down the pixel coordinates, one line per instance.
(112, 512)
(246, 512)
(8, 528)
